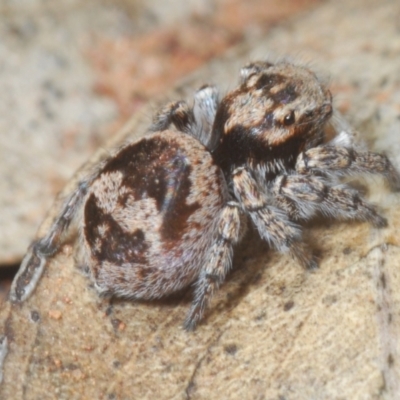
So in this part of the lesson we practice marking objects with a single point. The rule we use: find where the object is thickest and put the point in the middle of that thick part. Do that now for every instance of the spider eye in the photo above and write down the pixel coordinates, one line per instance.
(289, 119)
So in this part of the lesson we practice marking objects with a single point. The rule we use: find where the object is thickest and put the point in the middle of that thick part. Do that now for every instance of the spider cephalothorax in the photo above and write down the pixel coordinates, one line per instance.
(283, 110)
(167, 209)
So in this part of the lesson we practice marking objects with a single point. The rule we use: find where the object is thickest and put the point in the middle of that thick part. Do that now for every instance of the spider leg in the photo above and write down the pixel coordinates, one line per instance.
(308, 195)
(341, 161)
(177, 113)
(34, 261)
(272, 223)
(204, 110)
(197, 121)
(218, 264)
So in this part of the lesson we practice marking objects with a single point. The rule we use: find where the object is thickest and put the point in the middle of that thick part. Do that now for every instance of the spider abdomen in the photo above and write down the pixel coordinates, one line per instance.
(149, 217)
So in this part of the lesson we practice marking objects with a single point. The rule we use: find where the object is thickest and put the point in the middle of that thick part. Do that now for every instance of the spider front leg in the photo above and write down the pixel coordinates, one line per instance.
(273, 224)
(176, 113)
(303, 196)
(340, 161)
(218, 264)
(41, 250)
(197, 121)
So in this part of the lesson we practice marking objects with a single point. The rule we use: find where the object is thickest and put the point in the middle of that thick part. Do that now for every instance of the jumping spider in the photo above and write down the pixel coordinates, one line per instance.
(167, 209)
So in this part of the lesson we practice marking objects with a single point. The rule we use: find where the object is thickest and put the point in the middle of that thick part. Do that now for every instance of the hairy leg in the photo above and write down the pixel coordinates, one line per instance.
(34, 261)
(341, 161)
(273, 224)
(218, 264)
(176, 113)
(197, 121)
(204, 109)
(304, 196)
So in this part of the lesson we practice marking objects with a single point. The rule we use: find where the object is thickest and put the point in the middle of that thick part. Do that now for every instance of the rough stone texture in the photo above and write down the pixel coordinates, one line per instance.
(49, 113)
(273, 331)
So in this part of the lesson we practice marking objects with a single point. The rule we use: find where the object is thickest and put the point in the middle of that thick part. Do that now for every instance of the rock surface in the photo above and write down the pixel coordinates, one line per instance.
(273, 331)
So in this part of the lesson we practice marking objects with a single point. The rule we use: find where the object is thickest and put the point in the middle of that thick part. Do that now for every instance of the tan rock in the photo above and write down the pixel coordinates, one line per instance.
(273, 331)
